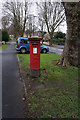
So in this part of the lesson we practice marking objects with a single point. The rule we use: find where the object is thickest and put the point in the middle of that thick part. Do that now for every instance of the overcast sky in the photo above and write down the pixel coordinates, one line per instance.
(62, 28)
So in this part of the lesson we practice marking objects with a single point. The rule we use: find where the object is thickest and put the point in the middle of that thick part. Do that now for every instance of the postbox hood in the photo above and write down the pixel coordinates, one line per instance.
(35, 38)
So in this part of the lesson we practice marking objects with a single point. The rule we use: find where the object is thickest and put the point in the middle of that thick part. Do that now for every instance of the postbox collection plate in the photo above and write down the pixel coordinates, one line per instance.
(34, 50)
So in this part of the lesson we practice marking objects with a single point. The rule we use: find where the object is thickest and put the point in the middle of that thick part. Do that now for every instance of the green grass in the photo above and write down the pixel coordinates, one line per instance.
(15, 45)
(10, 40)
(4, 46)
(59, 97)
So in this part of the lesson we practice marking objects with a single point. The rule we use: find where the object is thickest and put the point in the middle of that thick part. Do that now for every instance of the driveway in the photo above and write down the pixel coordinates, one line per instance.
(58, 46)
(12, 87)
(57, 49)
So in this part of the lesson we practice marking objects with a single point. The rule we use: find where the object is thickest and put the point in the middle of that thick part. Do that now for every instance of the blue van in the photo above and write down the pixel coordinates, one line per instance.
(23, 46)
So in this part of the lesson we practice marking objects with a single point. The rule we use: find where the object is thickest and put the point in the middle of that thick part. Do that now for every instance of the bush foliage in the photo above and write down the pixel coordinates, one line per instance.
(0, 36)
(5, 36)
(60, 35)
(59, 41)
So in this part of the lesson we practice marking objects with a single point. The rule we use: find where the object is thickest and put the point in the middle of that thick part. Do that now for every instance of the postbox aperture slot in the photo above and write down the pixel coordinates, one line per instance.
(34, 44)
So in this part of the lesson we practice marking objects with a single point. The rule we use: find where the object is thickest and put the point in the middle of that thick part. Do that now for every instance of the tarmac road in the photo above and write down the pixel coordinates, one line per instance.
(55, 50)
(12, 87)
(0, 84)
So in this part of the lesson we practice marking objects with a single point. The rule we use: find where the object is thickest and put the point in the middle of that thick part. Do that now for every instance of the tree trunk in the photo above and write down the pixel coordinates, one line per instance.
(70, 52)
(51, 38)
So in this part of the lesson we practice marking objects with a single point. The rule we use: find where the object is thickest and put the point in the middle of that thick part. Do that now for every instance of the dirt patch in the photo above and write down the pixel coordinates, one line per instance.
(31, 84)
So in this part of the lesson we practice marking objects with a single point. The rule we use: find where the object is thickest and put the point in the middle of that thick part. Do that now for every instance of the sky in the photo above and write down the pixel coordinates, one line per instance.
(62, 28)
(0, 12)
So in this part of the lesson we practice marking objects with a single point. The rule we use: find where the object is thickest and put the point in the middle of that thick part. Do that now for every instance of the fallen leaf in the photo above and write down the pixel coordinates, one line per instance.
(23, 99)
(29, 104)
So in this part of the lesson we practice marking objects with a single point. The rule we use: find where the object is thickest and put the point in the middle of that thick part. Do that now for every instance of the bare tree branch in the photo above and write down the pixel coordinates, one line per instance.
(17, 13)
(53, 15)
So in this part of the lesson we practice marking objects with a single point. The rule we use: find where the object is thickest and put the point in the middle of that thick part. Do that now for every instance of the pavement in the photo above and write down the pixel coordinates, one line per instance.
(0, 84)
(12, 87)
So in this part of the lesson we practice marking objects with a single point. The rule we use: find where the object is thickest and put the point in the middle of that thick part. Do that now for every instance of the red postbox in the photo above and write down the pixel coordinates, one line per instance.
(35, 56)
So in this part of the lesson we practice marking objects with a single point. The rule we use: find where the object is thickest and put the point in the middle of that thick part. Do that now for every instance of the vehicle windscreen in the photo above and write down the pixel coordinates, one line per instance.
(24, 41)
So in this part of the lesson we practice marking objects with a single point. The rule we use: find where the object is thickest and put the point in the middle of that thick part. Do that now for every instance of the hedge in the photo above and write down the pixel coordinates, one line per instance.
(5, 36)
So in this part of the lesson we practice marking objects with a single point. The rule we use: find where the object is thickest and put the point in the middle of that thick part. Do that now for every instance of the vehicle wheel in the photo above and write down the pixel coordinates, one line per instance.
(44, 51)
(23, 50)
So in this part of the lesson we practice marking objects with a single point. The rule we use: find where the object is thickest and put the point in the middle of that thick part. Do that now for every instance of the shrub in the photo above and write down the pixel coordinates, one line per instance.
(59, 41)
(59, 35)
(0, 36)
(5, 36)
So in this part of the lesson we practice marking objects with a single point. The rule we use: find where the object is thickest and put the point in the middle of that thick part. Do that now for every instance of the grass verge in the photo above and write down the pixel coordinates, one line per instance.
(10, 40)
(55, 93)
(4, 46)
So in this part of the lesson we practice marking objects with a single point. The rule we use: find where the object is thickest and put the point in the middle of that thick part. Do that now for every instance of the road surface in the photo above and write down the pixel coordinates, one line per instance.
(12, 87)
(0, 84)
(58, 46)
(57, 49)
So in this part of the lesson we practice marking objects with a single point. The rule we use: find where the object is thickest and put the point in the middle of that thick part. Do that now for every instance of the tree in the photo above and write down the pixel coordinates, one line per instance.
(60, 35)
(5, 22)
(41, 27)
(53, 15)
(30, 25)
(16, 12)
(0, 35)
(70, 53)
(5, 36)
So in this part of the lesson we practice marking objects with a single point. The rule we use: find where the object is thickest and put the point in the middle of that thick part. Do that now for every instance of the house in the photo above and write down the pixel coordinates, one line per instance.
(46, 37)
